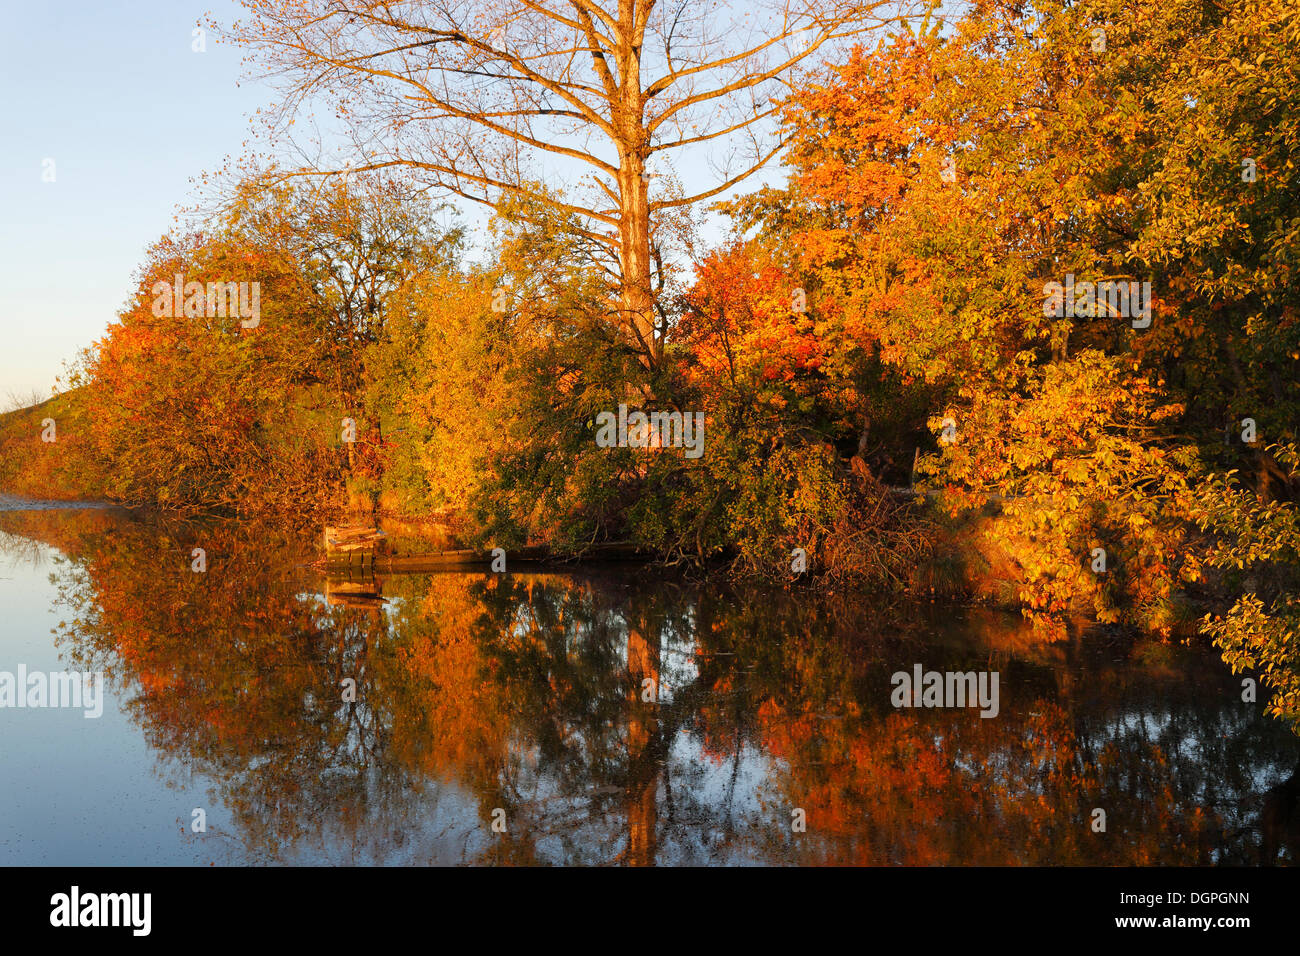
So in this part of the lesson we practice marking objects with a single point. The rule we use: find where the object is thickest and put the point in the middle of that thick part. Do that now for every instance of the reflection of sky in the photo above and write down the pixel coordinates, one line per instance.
(77, 791)
(706, 805)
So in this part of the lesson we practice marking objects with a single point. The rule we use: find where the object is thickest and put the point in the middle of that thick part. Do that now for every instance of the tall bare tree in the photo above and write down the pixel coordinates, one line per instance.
(489, 98)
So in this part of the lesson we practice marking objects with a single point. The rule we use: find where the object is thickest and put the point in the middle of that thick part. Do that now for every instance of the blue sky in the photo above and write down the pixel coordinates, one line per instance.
(114, 94)
(130, 114)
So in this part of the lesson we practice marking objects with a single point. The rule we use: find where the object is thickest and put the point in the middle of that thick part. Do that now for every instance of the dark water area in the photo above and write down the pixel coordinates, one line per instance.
(600, 716)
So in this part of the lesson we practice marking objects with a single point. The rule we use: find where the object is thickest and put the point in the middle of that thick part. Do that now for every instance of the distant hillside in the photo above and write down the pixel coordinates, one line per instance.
(43, 450)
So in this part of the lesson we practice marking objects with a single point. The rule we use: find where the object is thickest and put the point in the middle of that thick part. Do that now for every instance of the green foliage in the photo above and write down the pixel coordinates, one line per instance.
(1257, 548)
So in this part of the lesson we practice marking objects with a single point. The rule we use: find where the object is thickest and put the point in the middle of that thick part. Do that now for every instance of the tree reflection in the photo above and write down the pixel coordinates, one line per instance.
(624, 718)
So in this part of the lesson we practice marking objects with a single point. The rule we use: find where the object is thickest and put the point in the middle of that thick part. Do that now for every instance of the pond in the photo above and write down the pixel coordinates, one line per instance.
(257, 711)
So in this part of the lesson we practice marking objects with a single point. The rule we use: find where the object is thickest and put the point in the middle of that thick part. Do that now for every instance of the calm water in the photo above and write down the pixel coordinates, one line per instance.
(520, 700)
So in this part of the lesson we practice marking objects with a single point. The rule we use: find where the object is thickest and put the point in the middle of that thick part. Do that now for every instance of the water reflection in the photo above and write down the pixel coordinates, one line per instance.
(626, 718)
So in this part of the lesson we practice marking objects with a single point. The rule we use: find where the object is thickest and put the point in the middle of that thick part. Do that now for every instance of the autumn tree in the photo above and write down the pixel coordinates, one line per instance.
(593, 98)
(202, 409)
(357, 239)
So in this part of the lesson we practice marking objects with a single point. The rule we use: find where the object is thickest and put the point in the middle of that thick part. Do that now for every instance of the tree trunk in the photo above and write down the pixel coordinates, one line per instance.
(636, 300)
(641, 805)
(636, 303)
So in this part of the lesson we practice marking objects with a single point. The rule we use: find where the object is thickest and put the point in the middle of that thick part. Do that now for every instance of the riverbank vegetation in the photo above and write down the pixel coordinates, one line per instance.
(890, 384)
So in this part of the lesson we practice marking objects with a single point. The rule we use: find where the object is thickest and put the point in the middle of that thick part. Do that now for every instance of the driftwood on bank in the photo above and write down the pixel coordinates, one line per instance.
(347, 539)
